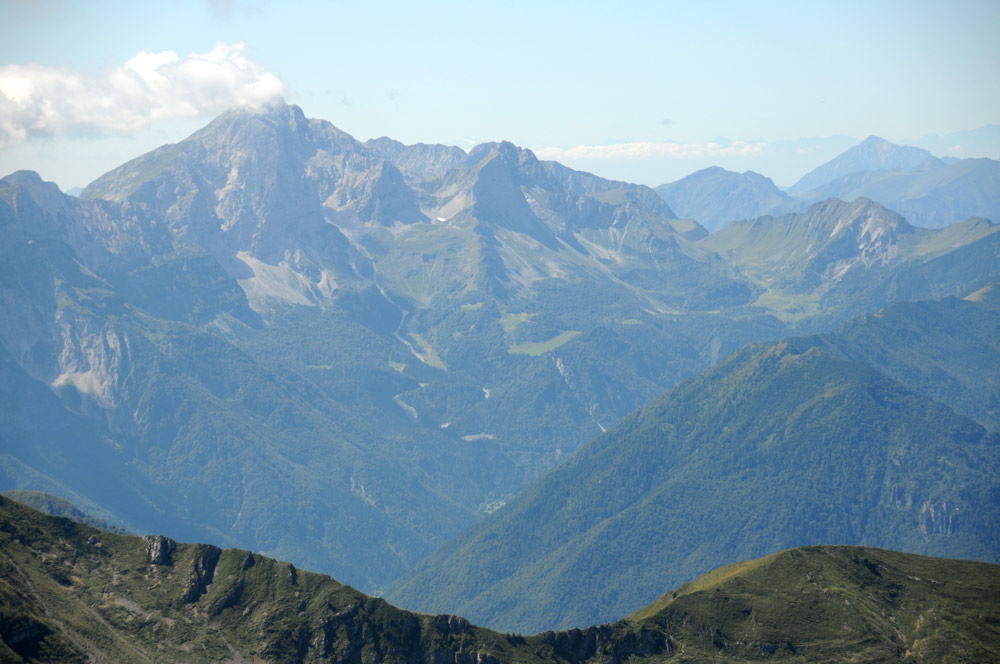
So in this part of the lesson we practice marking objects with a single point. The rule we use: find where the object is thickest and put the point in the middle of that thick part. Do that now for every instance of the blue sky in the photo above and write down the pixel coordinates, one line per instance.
(645, 91)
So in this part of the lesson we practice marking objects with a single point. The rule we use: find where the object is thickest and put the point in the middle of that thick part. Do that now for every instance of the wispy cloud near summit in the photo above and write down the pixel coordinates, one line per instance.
(647, 150)
(37, 101)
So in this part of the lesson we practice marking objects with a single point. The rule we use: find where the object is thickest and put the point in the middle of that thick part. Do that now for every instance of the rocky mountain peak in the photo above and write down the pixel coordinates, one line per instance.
(51, 212)
(859, 234)
(862, 218)
(505, 151)
(868, 214)
(267, 192)
(45, 195)
(280, 129)
(276, 112)
(877, 143)
(881, 153)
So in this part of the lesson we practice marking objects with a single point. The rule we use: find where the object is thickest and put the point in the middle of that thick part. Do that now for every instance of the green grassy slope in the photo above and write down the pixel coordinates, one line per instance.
(780, 445)
(846, 603)
(71, 593)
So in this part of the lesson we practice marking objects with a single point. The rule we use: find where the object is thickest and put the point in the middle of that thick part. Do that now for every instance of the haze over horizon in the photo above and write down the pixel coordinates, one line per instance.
(644, 92)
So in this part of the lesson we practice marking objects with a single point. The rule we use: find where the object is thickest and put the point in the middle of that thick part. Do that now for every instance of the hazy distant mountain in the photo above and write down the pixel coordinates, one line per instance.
(779, 445)
(120, 391)
(932, 198)
(56, 506)
(420, 161)
(872, 154)
(275, 336)
(715, 197)
(927, 191)
(73, 593)
(270, 335)
(855, 257)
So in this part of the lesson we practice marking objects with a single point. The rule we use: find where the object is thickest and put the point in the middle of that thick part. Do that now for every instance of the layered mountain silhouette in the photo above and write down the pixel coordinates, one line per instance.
(927, 191)
(780, 445)
(273, 336)
(229, 330)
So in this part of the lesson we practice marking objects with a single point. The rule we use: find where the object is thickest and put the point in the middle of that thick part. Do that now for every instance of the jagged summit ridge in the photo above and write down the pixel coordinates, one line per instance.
(289, 205)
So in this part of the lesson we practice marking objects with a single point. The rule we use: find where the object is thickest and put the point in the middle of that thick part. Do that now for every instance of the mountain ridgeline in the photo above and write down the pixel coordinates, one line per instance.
(848, 257)
(273, 336)
(75, 594)
(872, 154)
(927, 191)
(715, 197)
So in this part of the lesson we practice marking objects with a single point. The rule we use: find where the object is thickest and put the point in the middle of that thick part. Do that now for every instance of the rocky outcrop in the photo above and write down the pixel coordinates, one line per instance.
(202, 573)
(159, 550)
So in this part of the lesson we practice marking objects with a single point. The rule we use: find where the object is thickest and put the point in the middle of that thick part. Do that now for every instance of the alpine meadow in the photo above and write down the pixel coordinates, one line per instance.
(280, 389)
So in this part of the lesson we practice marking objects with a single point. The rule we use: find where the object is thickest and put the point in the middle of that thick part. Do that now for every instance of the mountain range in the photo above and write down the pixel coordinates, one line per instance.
(276, 337)
(851, 258)
(783, 444)
(268, 337)
(928, 191)
(75, 594)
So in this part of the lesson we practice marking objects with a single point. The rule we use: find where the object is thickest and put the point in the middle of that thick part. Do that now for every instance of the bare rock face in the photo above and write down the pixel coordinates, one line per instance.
(159, 550)
(203, 573)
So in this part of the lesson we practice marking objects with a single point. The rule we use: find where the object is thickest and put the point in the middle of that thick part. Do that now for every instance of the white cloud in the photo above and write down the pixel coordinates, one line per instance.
(646, 150)
(40, 101)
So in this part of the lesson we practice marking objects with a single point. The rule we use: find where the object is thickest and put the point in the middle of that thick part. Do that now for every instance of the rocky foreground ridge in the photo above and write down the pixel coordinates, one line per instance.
(74, 593)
